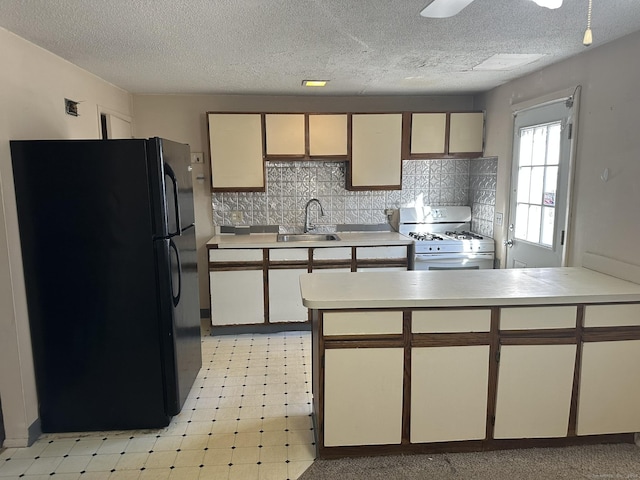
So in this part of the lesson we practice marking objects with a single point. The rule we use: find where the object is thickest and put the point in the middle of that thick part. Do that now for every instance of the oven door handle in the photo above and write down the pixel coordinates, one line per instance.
(448, 256)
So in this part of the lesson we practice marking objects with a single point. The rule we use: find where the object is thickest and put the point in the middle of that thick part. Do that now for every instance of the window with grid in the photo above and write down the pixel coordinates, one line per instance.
(537, 183)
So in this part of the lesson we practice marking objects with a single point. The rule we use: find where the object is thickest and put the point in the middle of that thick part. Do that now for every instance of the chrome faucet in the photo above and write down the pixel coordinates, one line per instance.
(308, 227)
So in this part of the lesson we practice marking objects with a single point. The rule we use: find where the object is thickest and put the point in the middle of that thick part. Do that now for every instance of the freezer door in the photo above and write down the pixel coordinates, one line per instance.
(170, 172)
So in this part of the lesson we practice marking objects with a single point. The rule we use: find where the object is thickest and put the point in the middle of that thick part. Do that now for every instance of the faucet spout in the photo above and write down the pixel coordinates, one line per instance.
(307, 226)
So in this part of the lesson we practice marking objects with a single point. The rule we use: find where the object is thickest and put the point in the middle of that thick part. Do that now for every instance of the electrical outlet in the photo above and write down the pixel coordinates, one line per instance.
(197, 157)
(499, 219)
(236, 216)
(388, 211)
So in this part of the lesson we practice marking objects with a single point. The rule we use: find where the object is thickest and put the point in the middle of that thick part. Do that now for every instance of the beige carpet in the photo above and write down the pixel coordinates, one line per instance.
(585, 462)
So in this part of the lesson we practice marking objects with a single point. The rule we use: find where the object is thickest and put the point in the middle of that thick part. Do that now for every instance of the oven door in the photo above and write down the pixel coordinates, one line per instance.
(453, 261)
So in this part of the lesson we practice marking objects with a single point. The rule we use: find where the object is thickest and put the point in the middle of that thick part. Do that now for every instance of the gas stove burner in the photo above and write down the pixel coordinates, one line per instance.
(426, 237)
(464, 235)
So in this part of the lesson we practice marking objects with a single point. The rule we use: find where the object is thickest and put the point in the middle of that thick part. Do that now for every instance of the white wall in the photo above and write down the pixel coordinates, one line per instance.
(33, 86)
(183, 118)
(605, 215)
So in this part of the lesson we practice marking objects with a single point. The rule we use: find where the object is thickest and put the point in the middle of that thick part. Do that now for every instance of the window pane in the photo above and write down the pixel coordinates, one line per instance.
(553, 144)
(533, 228)
(537, 178)
(522, 220)
(548, 220)
(550, 185)
(539, 146)
(524, 179)
(526, 146)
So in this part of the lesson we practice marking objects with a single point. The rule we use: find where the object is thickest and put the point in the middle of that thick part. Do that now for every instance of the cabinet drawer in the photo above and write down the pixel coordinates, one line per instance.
(450, 321)
(362, 323)
(365, 253)
(611, 315)
(332, 253)
(235, 255)
(527, 318)
(276, 254)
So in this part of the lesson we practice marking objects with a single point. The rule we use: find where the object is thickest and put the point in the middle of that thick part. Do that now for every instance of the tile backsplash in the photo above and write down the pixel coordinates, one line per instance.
(424, 182)
(483, 174)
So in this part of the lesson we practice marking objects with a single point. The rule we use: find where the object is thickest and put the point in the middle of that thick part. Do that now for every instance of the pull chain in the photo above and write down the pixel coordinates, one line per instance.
(588, 37)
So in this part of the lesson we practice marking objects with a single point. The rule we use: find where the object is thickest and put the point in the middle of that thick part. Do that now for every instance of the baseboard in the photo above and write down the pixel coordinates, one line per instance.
(266, 328)
(33, 433)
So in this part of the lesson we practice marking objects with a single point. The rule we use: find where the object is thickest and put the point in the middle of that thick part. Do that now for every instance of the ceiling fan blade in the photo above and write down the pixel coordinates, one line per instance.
(444, 8)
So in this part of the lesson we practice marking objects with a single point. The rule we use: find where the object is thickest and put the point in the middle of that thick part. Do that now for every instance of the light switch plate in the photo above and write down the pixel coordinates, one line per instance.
(499, 218)
(197, 157)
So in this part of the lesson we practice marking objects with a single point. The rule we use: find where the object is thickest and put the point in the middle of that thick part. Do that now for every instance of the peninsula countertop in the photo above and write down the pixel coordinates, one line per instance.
(347, 239)
(532, 286)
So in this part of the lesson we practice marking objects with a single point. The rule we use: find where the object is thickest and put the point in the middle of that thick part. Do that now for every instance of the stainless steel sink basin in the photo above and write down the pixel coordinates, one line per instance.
(307, 237)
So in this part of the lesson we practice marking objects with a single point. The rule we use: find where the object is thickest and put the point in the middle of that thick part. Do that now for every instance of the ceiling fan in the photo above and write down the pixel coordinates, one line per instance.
(449, 8)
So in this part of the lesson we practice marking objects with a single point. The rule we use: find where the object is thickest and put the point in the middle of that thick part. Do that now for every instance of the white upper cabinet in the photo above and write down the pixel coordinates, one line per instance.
(285, 134)
(428, 132)
(328, 135)
(235, 148)
(466, 132)
(443, 135)
(376, 152)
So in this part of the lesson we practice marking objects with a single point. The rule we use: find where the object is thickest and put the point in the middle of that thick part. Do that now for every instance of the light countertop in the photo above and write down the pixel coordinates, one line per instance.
(531, 286)
(347, 239)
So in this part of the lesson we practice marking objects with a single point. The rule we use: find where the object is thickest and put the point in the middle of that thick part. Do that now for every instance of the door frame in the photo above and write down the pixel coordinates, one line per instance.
(568, 94)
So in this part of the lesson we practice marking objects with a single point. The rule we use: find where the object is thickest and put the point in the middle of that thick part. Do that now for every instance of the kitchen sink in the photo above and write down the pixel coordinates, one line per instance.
(307, 237)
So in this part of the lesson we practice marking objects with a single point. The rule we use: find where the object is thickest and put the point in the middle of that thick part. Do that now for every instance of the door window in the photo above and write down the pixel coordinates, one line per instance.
(538, 164)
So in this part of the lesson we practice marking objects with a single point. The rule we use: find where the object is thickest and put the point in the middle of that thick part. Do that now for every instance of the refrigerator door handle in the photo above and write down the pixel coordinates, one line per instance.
(168, 171)
(176, 295)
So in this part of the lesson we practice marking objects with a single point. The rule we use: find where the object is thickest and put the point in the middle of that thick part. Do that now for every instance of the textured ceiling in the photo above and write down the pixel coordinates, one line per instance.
(364, 47)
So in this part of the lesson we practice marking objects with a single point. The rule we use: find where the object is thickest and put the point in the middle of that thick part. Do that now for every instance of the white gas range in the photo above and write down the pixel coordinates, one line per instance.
(443, 240)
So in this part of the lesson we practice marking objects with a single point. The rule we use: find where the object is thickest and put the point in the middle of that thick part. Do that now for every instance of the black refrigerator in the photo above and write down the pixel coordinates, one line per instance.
(109, 254)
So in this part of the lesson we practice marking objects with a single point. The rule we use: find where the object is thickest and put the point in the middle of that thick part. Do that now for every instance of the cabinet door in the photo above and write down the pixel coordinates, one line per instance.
(428, 132)
(609, 398)
(374, 259)
(285, 134)
(449, 388)
(363, 396)
(466, 132)
(235, 148)
(534, 391)
(328, 135)
(285, 302)
(376, 151)
(236, 297)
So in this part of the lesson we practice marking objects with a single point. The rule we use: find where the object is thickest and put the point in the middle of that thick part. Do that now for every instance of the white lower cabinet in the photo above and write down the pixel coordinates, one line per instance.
(237, 297)
(363, 396)
(609, 398)
(449, 387)
(534, 391)
(285, 302)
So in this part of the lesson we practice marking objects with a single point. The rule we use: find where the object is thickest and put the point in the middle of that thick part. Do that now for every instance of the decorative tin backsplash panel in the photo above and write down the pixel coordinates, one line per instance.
(483, 174)
(291, 184)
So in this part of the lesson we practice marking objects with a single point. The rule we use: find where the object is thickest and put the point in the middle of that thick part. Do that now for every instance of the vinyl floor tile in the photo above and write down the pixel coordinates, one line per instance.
(247, 417)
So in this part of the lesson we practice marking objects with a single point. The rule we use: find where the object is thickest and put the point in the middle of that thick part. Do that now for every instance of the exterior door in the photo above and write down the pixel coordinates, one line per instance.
(539, 187)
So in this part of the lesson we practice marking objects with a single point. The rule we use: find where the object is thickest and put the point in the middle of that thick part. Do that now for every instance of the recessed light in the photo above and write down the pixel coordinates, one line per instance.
(314, 83)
